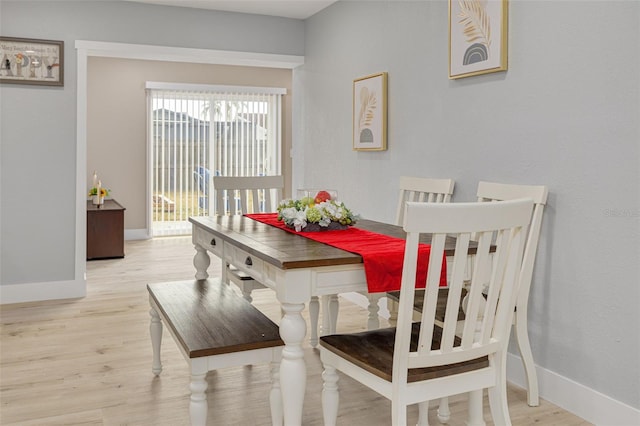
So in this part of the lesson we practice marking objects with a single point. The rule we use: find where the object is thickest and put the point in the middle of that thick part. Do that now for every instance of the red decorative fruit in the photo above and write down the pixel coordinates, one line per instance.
(322, 196)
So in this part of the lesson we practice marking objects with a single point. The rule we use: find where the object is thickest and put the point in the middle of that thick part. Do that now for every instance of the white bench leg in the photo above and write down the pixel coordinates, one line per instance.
(155, 329)
(330, 395)
(198, 387)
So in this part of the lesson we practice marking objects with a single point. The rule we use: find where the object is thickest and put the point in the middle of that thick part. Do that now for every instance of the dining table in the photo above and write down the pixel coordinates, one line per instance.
(297, 268)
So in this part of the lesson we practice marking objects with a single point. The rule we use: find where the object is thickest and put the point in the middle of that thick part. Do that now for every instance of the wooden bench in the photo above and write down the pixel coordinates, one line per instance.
(214, 328)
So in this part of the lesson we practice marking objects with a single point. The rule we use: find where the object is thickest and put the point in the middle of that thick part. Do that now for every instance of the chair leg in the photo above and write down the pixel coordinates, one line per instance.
(476, 417)
(522, 337)
(275, 396)
(314, 313)
(398, 413)
(498, 393)
(330, 395)
(444, 413)
(423, 414)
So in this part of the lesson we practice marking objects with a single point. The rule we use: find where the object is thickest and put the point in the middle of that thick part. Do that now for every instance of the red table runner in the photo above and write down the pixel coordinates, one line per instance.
(382, 255)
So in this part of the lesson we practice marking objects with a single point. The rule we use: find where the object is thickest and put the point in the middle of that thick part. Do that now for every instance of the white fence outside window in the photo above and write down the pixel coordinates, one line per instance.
(198, 131)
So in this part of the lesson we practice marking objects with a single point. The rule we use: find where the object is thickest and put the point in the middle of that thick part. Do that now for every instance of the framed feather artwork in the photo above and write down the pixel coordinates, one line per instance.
(370, 113)
(478, 34)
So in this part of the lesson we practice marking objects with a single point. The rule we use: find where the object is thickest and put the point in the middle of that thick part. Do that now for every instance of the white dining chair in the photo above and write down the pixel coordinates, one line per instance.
(415, 362)
(491, 191)
(427, 190)
(239, 195)
(410, 189)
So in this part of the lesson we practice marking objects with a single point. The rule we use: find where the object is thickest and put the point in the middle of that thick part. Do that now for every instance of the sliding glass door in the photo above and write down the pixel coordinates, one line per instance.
(196, 132)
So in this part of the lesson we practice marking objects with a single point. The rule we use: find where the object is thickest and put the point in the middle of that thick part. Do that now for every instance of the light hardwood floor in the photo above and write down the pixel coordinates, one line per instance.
(88, 361)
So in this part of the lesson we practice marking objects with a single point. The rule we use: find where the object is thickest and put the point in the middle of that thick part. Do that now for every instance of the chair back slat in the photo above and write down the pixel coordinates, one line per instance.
(417, 189)
(456, 284)
(500, 228)
(247, 194)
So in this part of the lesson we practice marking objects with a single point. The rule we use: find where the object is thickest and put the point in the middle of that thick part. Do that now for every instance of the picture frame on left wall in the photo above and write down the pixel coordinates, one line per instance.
(31, 61)
(370, 113)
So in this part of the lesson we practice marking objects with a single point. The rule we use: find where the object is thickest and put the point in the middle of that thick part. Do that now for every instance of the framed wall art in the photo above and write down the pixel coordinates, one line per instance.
(478, 33)
(31, 61)
(370, 113)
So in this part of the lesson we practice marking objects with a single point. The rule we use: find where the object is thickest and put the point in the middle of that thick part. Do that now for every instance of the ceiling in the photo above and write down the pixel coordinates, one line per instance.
(298, 9)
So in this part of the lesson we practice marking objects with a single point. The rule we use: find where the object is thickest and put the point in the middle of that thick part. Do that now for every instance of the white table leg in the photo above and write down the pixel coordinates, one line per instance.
(314, 314)
(155, 329)
(201, 261)
(293, 371)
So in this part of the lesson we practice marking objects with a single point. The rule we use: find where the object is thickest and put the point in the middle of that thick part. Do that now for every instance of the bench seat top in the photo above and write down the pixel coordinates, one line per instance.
(210, 318)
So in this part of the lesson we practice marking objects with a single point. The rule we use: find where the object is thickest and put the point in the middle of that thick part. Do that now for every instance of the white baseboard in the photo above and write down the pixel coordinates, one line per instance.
(574, 397)
(136, 234)
(571, 396)
(34, 292)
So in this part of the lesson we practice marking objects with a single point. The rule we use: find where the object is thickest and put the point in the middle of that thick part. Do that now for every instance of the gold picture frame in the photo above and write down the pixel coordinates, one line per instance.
(370, 113)
(31, 61)
(478, 37)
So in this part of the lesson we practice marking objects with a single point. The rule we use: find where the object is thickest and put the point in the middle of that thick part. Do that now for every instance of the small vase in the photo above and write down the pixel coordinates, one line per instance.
(97, 200)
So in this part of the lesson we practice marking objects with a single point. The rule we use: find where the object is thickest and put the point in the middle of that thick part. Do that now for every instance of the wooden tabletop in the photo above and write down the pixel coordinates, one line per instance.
(287, 250)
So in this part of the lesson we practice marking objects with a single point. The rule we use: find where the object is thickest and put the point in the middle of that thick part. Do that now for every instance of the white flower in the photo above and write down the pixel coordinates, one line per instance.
(297, 213)
(299, 219)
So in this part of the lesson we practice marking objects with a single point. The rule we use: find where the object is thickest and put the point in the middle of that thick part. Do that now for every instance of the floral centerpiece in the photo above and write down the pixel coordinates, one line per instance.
(319, 213)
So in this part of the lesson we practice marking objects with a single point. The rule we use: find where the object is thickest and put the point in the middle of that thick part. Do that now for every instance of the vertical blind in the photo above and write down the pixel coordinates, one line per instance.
(198, 131)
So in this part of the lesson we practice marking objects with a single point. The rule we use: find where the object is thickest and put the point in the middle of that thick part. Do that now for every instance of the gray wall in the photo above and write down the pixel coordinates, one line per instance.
(566, 114)
(38, 124)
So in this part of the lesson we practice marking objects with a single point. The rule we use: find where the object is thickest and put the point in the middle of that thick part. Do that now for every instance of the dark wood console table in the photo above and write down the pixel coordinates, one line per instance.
(105, 230)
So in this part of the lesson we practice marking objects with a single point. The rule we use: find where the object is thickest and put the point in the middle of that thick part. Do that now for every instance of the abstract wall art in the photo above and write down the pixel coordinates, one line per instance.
(370, 113)
(477, 37)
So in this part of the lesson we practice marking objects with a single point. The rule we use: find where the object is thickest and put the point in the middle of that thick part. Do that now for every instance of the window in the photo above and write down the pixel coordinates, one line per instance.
(197, 131)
